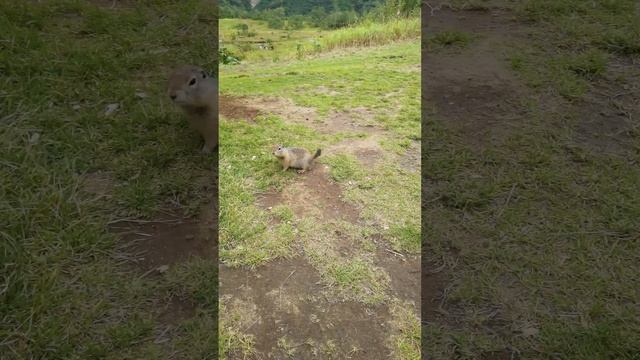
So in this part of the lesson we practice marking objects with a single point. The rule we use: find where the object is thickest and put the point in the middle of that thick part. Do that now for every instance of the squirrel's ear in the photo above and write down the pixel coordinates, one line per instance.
(204, 75)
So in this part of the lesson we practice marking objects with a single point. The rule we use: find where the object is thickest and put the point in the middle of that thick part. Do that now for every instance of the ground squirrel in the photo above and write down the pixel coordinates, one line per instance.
(197, 94)
(295, 158)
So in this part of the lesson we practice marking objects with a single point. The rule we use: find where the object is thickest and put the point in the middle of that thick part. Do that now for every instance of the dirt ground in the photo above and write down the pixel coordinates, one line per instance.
(295, 315)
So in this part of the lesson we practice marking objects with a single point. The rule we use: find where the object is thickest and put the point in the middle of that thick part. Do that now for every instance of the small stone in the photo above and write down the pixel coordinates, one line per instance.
(111, 108)
(34, 138)
(529, 331)
(163, 269)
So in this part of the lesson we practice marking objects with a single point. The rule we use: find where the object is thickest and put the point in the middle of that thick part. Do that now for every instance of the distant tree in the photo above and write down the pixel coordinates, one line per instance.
(295, 22)
(339, 19)
(317, 15)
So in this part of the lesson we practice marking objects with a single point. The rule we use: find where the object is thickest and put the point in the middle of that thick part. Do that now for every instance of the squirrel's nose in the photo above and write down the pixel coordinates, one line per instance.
(173, 97)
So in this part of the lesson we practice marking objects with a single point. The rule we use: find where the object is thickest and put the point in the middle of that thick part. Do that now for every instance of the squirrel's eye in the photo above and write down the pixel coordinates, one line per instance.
(192, 82)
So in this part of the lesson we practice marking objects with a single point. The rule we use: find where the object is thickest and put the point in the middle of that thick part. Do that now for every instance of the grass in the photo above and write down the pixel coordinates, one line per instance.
(442, 39)
(235, 317)
(285, 42)
(66, 294)
(289, 45)
(372, 85)
(372, 33)
(538, 229)
(407, 331)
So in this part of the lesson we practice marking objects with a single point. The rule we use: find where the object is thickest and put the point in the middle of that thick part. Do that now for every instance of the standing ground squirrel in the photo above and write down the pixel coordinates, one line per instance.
(197, 94)
(295, 158)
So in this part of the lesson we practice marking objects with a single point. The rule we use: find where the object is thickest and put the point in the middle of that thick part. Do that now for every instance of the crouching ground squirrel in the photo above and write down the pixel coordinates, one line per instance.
(197, 94)
(295, 158)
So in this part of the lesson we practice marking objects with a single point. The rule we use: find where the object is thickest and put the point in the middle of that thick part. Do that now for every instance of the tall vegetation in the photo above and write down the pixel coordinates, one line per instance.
(325, 14)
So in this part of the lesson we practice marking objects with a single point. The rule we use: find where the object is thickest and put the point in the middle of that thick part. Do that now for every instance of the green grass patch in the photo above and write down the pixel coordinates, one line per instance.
(235, 316)
(405, 341)
(372, 33)
(63, 63)
(350, 277)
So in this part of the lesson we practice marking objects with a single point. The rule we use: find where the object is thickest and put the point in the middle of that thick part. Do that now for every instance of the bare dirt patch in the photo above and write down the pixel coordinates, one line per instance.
(314, 195)
(477, 78)
(433, 285)
(248, 108)
(235, 108)
(412, 158)
(99, 184)
(605, 120)
(298, 319)
(403, 271)
(175, 310)
(366, 150)
(169, 239)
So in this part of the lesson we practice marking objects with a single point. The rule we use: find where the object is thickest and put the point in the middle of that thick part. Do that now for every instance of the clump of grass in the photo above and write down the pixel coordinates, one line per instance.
(235, 316)
(405, 341)
(570, 74)
(386, 195)
(624, 41)
(587, 64)
(405, 237)
(372, 33)
(449, 39)
(612, 26)
(283, 213)
(352, 276)
(344, 167)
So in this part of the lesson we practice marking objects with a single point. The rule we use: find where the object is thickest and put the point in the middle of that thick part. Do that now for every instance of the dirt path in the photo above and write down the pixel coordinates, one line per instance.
(295, 314)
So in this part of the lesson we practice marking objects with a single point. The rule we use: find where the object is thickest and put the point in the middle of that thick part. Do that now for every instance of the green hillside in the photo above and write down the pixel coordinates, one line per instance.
(305, 6)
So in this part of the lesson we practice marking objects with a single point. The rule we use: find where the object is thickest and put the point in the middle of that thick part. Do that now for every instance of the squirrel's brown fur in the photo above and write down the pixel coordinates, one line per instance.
(197, 94)
(295, 158)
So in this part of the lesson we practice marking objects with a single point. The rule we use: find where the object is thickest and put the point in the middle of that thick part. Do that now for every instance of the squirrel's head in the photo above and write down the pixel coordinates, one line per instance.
(278, 150)
(184, 84)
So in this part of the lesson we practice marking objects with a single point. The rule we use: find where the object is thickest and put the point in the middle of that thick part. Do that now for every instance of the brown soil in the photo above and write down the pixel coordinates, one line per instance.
(248, 108)
(292, 305)
(169, 240)
(234, 108)
(313, 195)
(366, 150)
(403, 270)
(98, 184)
(474, 89)
(177, 309)
(154, 246)
(605, 123)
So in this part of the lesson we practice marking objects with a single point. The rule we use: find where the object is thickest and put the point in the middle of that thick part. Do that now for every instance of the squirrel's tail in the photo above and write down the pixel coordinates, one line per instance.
(318, 152)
